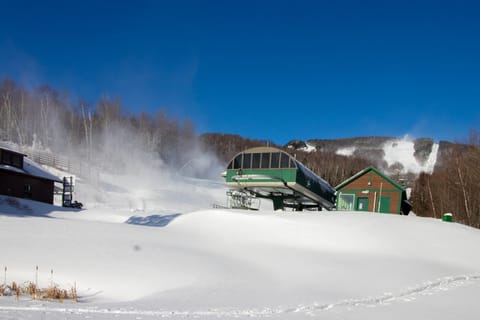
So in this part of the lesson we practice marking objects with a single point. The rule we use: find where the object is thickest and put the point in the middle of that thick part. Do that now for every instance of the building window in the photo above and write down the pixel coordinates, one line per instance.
(284, 160)
(362, 204)
(247, 160)
(265, 161)
(256, 161)
(346, 202)
(28, 191)
(237, 162)
(11, 159)
(17, 161)
(275, 160)
(6, 158)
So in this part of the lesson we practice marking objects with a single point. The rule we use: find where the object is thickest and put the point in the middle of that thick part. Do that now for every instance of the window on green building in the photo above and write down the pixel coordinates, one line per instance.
(256, 161)
(247, 160)
(275, 159)
(237, 162)
(265, 160)
(346, 202)
(284, 160)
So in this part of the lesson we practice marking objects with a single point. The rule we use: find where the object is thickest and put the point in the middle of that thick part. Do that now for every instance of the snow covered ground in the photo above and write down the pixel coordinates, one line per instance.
(153, 247)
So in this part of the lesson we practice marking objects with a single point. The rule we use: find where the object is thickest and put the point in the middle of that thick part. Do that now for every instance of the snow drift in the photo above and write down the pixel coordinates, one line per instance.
(177, 258)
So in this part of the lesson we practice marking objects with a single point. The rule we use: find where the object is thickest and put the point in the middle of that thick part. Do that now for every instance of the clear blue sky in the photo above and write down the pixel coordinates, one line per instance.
(275, 70)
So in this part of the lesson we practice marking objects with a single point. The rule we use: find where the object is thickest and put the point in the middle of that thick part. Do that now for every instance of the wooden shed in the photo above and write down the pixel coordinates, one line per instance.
(22, 178)
(371, 190)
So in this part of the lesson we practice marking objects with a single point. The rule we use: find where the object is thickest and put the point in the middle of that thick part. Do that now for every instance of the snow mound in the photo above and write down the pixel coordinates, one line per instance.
(217, 263)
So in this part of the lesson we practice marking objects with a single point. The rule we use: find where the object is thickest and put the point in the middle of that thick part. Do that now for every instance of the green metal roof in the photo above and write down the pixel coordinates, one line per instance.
(366, 170)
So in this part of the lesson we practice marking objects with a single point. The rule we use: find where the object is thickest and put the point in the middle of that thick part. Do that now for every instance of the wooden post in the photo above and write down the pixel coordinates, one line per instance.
(380, 197)
(74, 293)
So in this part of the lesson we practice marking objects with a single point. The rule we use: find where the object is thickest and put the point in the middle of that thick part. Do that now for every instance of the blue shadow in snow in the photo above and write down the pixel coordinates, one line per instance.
(25, 208)
(153, 220)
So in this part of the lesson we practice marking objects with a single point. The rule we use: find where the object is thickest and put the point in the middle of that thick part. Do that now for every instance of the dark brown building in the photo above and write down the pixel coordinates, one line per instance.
(371, 190)
(22, 178)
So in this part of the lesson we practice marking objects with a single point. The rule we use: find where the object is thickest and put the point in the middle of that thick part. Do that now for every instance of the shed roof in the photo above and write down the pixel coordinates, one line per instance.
(36, 170)
(366, 170)
(12, 151)
(30, 168)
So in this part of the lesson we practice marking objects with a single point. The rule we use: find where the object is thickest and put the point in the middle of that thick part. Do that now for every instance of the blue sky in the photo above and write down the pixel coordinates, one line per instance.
(276, 70)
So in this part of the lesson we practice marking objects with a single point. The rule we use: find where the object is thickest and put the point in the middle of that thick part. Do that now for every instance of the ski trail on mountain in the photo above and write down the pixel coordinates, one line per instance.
(314, 309)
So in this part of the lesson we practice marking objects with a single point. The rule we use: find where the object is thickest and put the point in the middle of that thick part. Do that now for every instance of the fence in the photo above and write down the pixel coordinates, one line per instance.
(71, 165)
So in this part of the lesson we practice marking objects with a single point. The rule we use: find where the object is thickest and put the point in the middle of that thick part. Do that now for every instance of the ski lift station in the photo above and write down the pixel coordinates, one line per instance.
(271, 173)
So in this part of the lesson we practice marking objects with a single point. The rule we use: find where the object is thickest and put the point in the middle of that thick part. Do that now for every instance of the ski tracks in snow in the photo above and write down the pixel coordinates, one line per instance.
(407, 295)
(313, 309)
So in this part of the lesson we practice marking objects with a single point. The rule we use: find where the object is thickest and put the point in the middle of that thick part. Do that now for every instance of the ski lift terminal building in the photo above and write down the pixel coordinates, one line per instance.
(271, 173)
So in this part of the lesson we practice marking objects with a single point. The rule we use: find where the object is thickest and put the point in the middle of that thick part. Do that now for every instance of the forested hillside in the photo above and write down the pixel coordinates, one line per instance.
(102, 132)
(105, 134)
(453, 187)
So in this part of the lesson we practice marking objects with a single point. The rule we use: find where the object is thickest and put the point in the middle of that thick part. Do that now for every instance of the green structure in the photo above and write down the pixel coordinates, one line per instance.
(371, 190)
(271, 173)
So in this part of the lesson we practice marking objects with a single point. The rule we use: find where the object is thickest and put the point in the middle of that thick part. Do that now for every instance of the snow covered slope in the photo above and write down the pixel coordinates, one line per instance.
(403, 155)
(175, 257)
(403, 152)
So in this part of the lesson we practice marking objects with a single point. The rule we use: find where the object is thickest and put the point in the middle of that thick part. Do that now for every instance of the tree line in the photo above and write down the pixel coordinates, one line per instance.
(96, 131)
(453, 187)
(102, 131)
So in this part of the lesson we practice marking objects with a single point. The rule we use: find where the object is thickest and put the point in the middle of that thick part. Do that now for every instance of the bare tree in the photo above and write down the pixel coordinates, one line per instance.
(7, 111)
(453, 187)
(87, 127)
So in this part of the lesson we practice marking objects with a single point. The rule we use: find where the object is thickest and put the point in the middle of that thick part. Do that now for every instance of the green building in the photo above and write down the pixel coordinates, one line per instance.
(371, 190)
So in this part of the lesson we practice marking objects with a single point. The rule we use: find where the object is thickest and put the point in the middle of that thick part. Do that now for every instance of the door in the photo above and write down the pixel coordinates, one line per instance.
(383, 204)
(362, 204)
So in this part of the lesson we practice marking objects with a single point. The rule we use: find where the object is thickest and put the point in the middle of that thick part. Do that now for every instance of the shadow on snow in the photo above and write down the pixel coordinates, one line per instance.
(153, 220)
(23, 208)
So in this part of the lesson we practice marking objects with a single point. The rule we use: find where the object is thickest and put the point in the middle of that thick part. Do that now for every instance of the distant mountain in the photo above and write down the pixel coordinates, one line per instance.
(392, 155)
